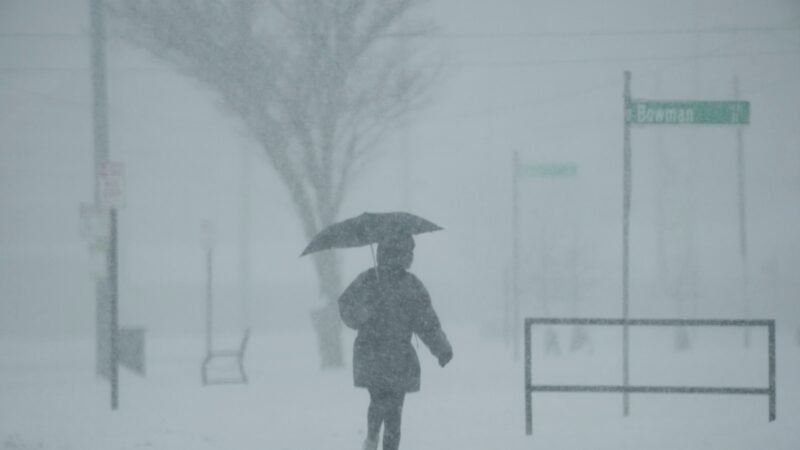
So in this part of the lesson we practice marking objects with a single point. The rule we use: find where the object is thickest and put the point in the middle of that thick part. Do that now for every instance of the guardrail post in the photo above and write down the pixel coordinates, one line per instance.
(626, 403)
(528, 377)
(772, 384)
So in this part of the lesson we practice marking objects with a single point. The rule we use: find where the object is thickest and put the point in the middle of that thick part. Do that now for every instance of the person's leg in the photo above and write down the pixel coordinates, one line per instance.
(392, 420)
(375, 417)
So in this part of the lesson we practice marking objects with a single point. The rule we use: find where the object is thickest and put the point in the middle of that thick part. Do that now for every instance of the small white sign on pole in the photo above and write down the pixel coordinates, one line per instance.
(111, 179)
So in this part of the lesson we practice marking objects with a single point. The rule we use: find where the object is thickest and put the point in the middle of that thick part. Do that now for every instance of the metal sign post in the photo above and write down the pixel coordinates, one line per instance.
(518, 170)
(742, 217)
(626, 214)
(651, 112)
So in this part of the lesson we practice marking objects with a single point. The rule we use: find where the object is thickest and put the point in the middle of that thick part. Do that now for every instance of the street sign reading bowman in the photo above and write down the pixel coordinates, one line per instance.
(647, 112)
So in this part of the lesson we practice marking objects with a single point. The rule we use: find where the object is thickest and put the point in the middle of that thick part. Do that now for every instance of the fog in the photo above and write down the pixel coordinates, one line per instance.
(517, 152)
(542, 79)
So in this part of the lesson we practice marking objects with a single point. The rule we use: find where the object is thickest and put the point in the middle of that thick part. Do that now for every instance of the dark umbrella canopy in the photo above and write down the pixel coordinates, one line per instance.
(368, 228)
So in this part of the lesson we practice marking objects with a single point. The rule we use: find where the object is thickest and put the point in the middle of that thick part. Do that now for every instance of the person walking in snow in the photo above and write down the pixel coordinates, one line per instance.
(387, 304)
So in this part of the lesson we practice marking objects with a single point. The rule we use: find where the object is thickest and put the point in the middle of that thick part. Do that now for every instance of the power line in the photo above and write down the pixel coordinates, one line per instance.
(43, 69)
(42, 35)
(774, 84)
(609, 33)
(491, 35)
(469, 64)
(618, 59)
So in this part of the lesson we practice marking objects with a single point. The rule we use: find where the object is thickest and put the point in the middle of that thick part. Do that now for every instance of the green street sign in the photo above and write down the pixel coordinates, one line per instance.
(548, 170)
(645, 112)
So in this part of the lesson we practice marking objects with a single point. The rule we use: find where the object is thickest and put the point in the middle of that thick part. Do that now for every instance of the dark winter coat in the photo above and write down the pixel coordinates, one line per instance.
(387, 306)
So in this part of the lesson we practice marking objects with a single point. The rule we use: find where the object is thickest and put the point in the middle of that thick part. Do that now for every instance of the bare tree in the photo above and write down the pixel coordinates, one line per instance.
(318, 83)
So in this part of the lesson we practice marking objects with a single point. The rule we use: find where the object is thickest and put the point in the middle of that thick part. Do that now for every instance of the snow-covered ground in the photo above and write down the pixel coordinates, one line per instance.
(51, 399)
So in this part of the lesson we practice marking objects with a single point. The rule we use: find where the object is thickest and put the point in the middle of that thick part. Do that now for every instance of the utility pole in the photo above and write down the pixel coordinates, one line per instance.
(107, 284)
(99, 92)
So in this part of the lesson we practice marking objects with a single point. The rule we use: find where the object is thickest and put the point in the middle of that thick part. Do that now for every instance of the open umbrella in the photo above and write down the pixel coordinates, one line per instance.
(368, 228)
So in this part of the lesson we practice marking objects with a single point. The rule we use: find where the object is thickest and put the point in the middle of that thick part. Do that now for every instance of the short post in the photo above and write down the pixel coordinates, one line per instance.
(528, 379)
(209, 244)
(515, 314)
(772, 384)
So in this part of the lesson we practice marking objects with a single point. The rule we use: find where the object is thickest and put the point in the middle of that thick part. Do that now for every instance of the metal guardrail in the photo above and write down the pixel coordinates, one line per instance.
(626, 388)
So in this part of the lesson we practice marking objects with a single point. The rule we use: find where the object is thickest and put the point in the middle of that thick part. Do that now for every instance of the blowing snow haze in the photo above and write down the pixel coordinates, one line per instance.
(543, 80)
